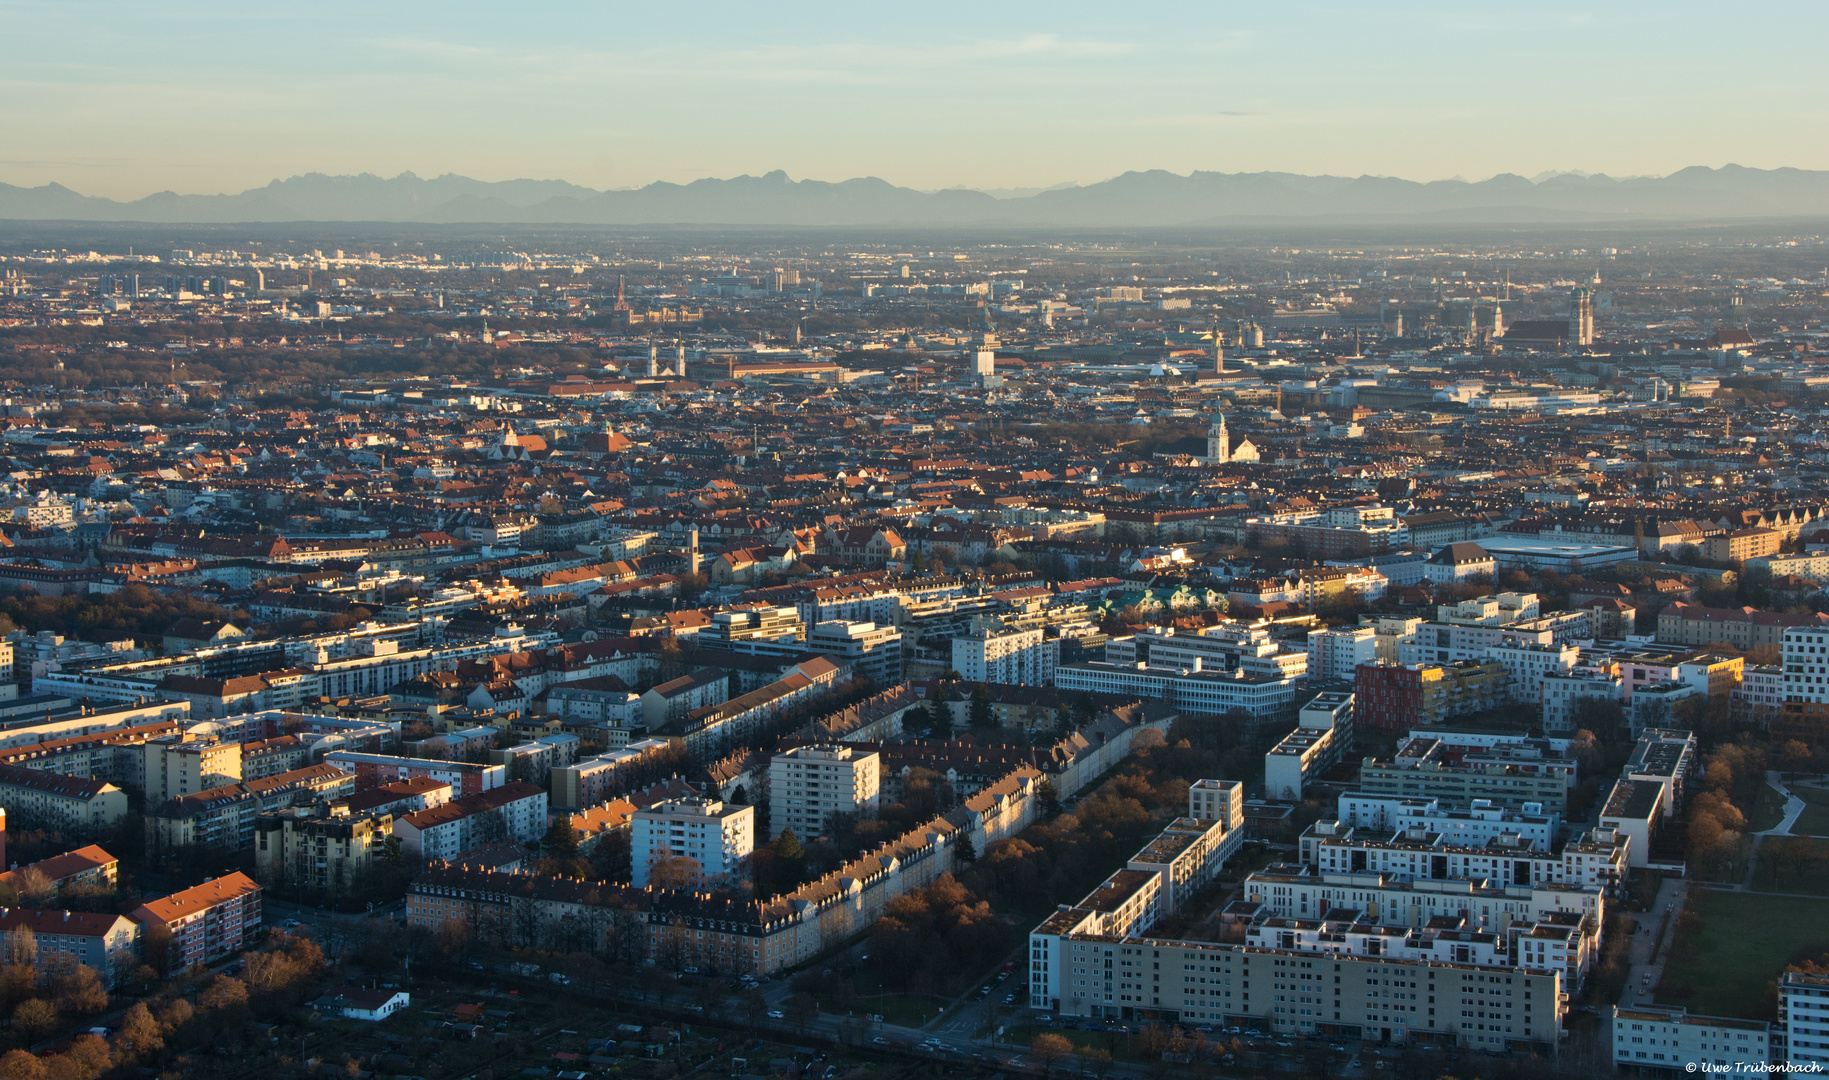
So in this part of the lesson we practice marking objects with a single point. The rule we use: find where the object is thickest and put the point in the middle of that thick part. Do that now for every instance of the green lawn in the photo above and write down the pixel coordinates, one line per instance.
(1768, 810)
(1814, 821)
(1744, 941)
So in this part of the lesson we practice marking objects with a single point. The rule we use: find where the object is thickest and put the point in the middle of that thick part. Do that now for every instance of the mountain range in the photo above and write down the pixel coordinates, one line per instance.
(1135, 199)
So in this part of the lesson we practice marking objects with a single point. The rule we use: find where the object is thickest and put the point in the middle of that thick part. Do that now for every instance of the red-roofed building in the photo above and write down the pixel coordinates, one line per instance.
(206, 923)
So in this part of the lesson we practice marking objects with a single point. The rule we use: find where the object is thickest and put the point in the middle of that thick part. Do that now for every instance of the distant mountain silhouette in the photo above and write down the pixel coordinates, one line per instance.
(1153, 198)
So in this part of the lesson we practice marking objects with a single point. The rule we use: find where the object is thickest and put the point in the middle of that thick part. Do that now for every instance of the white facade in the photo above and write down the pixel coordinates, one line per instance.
(1528, 663)
(715, 835)
(1663, 1038)
(996, 653)
(1806, 653)
(1334, 655)
(808, 784)
(1563, 693)
(1803, 1019)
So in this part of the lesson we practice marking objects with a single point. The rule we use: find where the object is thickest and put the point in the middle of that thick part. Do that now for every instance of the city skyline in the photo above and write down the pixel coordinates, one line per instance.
(124, 102)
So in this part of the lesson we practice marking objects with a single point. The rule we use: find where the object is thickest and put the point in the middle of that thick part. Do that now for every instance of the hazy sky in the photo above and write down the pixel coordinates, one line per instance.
(124, 99)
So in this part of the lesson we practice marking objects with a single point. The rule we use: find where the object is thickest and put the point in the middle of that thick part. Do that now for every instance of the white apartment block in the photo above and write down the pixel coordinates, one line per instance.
(1528, 663)
(1595, 860)
(715, 835)
(808, 784)
(1217, 800)
(1806, 655)
(1334, 655)
(1297, 892)
(1564, 691)
(1803, 1022)
(1323, 734)
(1655, 1037)
(1475, 827)
(994, 652)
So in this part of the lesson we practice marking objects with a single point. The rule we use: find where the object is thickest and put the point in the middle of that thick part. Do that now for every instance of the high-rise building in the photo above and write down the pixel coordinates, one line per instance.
(715, 835)
(808, 784)
(998, 653)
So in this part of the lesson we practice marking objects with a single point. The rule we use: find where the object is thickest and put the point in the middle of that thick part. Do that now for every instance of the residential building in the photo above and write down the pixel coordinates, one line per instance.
(1669, 1038)
(1801, 1033)
(809, 784)
(108, 943)
(375, 770)
(35, 798)
(1398, 697)
(669, 702)
(995, 652)
(1321, 740)
(1510, 776)
(874, 651)
(323, 851)
(714, 835)
(174, 766)
(224, 817)
(1459, 562)
(515, 811)
(205, 923)
(1564, 691)
(1335, 655)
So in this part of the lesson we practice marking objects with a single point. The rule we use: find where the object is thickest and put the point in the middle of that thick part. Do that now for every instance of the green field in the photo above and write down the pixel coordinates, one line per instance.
(1814, 821)
(1744, 942)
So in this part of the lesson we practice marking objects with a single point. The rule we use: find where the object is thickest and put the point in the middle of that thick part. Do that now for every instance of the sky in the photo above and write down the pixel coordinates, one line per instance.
(126, 99)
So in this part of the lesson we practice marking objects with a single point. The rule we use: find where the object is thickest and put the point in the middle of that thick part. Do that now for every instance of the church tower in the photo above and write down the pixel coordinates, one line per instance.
(1219, 445)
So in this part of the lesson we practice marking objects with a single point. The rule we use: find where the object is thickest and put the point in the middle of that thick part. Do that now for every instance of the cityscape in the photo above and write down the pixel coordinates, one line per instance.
(1214, 621)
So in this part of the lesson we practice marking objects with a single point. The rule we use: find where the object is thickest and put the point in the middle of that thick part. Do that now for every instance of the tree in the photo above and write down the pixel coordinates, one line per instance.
(1097, 1060)
(981, 714)
(34, 888)
(739, 796)
(35, 1017)
(21, 1065)
(800, 1011)
(21, 947)
(224, 992)
(790, 859)
(1063, 720)
(140, 1034)
(77, 988)
(1048, 1048)
(561, 840)
(1048, 797)
(87, 1057)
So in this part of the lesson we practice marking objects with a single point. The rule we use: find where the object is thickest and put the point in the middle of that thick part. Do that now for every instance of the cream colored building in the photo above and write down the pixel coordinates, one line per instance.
(808, 784)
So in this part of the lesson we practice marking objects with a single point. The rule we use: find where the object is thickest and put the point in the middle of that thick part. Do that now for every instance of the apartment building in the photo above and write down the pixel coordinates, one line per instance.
(89, 866)
(224, 817)
(206, 923)
(1657, 1037)
(1321, 740)
(596, 779)
(1562, 693)
(670, 701)
(108, 943)
(1801, 1033)
(1398, 697)
(1478, 825)
(1323, 994)
(1508, 775)
(874, 650)
(325, 851)
(1217, 800)
(1806, 662)
(515, 811)
(36, 798)
(1263, 699)
(174, 766)
(993, 651)
(1334, 655)
(1745, 628)
(1595, 860)
(374, 770)
(715, 835)
(808, 784)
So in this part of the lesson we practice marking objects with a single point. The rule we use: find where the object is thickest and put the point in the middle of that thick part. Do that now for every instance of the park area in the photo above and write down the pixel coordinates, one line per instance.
(1731, 946)
(1814, 821)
